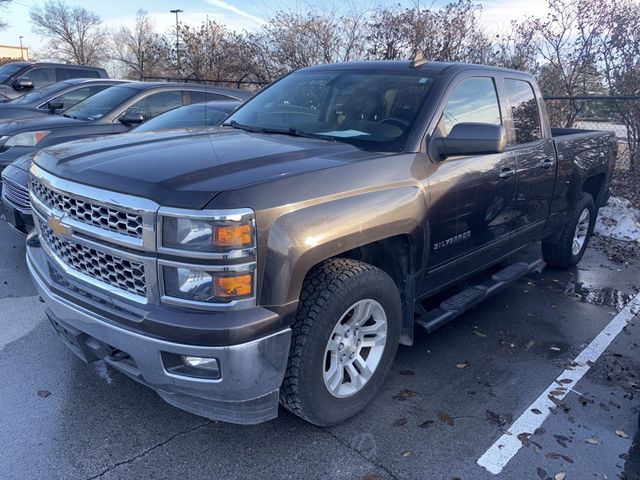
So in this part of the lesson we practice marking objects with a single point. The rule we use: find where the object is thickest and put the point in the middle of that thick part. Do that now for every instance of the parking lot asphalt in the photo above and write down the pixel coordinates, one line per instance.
(448, 398)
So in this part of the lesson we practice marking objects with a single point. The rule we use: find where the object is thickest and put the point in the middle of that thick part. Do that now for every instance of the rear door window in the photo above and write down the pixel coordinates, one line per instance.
(198, 96)
(80, 73)
(524, 112)
(69, 99)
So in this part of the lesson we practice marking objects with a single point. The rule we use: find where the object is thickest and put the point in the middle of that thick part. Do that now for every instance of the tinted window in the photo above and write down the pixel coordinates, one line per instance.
(69, 99)
(79, 73)
(157, 103)
(101, 103)
(194, 96)
(524, 110)
(7, 70)
(40, 95)
(474, 100)
(372, 110)
(40, 76)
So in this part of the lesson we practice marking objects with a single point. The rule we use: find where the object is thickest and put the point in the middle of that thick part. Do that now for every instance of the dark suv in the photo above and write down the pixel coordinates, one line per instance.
(16, 78)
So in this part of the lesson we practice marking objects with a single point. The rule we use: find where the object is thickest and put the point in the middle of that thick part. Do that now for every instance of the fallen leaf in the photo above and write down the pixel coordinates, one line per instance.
(406, 373)
(541, 473)
(478, 334)
(624, 456)
(558, 392)
(559, 403)
(556, 456)
(44, 393)
(536, 411)
(462, 365)
(562, 440)
(539, 431)
(427, 424)
(405, 394)
(592, 441)
(446, 418)
(584, 401)
(399, 422)
(524, 438)
(560, 476)
(621, 434)
(495, 419)
(604, 406)
(566, 380)
(405, 454)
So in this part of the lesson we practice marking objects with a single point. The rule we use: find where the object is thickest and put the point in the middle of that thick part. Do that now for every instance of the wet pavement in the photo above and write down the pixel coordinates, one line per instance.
(446, 401)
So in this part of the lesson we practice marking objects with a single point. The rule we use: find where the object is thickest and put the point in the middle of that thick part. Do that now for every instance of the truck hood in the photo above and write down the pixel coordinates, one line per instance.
(184, 169)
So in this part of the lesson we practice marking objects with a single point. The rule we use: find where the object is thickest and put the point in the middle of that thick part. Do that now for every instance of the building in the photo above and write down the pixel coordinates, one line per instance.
(14, 52)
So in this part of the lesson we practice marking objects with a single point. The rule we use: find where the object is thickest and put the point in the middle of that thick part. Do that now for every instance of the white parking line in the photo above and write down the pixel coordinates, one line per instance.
(506, 447)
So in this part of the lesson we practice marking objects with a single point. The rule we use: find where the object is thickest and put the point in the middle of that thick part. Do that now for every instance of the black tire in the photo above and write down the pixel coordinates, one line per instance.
(558, 252)
(328, 291)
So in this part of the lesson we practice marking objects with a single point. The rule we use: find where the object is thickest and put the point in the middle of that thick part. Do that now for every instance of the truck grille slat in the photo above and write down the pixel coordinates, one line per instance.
(107, 218)
(127, 275)
(15, 193)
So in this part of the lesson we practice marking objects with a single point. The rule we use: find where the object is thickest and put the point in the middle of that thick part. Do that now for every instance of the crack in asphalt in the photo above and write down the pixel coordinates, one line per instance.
(149, 450)
(359, 453)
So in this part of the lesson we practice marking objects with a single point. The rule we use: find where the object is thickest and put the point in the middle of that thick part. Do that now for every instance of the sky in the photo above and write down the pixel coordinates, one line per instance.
(237, 15)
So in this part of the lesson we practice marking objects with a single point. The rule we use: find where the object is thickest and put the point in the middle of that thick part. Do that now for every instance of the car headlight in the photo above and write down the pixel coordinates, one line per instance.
(26, 139)
(207, 235)
(200, 285)
(210, 260)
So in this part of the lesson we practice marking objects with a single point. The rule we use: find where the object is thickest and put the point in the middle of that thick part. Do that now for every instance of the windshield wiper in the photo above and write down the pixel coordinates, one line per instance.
(68, 116)
(241, 126)
(294, 132)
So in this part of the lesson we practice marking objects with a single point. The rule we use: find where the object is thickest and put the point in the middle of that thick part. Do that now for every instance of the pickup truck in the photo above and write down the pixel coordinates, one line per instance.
(284, 256)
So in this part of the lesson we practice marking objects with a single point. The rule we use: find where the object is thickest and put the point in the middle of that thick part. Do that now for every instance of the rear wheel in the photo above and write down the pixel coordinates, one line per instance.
(344, 340)
(569, 247)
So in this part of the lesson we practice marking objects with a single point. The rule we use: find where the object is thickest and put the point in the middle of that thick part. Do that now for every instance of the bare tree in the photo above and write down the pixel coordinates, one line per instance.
(3, 5)
(75, 34)
(139, 50)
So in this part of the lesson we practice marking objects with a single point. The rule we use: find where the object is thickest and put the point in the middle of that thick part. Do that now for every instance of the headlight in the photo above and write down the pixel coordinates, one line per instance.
(26, 139)
(204, 235)
(197, 285)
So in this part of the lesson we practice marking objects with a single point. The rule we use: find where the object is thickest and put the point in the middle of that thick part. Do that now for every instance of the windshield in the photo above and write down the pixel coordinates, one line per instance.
(101, 103)
(193, 116)
(7, 70)
(38, 95)
(371, 110)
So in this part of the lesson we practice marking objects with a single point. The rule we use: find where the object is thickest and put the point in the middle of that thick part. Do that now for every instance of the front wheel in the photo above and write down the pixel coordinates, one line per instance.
(344, 341)
(572, 240)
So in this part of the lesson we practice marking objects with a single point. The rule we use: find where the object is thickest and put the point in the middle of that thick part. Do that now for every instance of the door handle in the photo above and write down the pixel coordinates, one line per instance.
(548, 163)
(507, 173)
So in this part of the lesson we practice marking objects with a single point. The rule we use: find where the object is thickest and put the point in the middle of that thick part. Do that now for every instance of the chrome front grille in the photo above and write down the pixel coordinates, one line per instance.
(107, 218)
(15, 193)
(127, 275)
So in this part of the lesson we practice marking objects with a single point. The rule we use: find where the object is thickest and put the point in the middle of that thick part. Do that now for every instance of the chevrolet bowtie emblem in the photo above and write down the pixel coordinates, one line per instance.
(58, 229)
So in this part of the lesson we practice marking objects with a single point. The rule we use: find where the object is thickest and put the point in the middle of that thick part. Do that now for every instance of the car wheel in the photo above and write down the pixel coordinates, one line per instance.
(344, 340)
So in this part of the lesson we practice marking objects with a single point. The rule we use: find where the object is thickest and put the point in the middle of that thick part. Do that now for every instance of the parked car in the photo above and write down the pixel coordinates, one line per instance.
(15, 194)
(284, 256)
(17, 78)
(201, 115)
(54, 98)
(115, 110)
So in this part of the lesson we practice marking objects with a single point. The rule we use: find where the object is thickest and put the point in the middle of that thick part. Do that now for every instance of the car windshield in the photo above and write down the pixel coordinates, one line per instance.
(192, 116)
(38, 95)
(7, 70)
(101, 103)
(369, 109)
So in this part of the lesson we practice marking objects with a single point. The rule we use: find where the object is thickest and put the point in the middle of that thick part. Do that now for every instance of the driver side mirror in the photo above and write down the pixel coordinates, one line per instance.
(130, 118)
(55, 105)
(21, 84)
(473, 139)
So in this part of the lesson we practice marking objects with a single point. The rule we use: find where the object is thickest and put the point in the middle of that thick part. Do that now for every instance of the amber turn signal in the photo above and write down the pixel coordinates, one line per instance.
(233, 286)
(232, 235)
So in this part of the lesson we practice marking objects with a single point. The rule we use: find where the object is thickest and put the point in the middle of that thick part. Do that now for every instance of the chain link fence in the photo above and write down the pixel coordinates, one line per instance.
(618, 114)
(250, 85)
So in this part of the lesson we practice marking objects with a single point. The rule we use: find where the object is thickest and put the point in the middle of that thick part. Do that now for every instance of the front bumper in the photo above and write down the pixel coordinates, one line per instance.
(251, 372)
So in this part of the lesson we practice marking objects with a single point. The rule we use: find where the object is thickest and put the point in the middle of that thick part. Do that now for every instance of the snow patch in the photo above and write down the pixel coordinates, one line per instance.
(619, 220)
